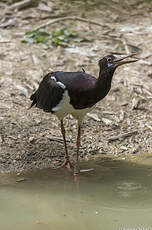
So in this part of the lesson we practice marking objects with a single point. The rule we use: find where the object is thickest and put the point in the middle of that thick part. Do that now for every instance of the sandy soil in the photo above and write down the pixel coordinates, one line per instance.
(121, 124)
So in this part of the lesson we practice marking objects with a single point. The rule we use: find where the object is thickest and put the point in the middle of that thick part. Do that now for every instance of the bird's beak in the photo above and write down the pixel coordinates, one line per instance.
(121, 61)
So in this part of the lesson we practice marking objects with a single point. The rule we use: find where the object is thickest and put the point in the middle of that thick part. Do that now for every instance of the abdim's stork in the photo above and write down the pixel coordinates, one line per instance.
(76, 93)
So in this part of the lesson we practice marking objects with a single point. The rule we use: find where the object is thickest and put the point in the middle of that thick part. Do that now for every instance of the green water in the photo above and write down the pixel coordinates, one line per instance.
(116, 195)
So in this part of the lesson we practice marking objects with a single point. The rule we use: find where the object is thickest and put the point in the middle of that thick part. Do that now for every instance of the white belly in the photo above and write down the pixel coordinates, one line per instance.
(64, 108)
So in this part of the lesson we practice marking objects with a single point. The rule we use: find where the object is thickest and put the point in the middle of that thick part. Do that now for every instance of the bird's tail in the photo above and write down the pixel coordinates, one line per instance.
(33, 99)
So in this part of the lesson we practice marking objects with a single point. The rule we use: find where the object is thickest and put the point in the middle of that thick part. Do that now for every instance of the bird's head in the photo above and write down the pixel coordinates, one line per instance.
(112, 61)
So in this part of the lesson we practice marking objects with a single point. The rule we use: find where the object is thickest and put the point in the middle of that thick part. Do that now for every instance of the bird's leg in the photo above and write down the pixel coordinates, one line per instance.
(77, 167)
(67, 162)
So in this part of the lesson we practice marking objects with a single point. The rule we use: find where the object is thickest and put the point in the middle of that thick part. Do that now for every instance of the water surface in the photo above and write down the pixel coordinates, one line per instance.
(116, 194)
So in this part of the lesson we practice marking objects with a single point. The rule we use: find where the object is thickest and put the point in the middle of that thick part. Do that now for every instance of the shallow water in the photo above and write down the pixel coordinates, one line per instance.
(117, 194)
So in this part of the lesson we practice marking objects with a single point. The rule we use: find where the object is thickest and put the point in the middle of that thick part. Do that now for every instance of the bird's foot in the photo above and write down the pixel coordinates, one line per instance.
(67, 164)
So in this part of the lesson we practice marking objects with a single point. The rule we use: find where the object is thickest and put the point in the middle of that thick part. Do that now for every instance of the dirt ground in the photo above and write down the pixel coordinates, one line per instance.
(121, 124)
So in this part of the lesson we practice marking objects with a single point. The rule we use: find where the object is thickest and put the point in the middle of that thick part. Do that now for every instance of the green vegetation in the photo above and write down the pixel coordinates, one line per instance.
(62, 37)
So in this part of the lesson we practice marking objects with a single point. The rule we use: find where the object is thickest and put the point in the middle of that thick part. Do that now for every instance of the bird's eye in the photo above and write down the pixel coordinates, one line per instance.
(109, 59)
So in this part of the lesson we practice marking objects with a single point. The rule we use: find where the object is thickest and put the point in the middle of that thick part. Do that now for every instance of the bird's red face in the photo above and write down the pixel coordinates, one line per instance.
(113, 61)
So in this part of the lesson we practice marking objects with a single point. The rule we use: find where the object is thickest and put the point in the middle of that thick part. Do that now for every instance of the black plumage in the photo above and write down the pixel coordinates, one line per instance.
(48, 95)
(75, 93)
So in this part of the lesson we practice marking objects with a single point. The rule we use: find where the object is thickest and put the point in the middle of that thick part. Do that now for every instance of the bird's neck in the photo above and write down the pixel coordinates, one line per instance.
(103, 83)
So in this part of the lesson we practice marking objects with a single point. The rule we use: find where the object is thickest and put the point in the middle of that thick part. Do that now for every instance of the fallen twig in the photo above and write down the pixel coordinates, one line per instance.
(5, 41)
(122, 116)
(125, 45)
(123, 40)
(121, 136)
(58, 139)
(145, 88)
(148, 126)
(94, 116)
(108, 113)
(20, 5)
(16, 6)
(68, 18)
(145, 62)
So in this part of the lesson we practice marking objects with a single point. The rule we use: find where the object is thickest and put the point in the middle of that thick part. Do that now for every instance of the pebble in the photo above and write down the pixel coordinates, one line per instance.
(123, 148)
(107, 121)
(31, 139)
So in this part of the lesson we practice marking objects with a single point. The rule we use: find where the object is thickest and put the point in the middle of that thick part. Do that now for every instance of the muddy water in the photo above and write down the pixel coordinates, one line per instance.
(118, 194)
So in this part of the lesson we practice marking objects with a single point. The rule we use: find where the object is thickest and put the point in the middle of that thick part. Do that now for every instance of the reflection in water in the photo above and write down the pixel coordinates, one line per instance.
(116, 194)
(128, 189)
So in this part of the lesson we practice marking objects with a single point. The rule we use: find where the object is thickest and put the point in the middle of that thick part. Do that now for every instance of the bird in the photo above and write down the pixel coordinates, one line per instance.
(76, 93)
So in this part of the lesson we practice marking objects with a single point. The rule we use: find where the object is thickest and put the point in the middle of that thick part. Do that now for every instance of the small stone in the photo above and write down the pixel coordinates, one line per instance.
(135, 103)
(107, 121)
(123, 148)
(37, 121)
(31, 139)
(44, 7)
(18, 174)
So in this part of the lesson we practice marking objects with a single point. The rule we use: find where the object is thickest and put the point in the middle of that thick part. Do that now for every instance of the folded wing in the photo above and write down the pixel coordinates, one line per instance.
(48, 95)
